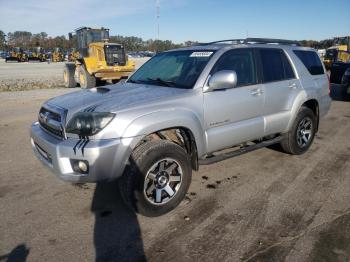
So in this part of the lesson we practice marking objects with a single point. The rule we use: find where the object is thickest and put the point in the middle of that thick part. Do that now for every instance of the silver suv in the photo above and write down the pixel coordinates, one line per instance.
(181, 109)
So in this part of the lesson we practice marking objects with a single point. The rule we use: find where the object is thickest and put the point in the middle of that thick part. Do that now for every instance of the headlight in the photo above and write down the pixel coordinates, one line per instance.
(88, 123)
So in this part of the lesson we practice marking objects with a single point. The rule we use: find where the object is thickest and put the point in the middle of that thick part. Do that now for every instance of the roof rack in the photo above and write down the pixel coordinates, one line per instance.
(272, 41)
(233, 42)
(256, 41)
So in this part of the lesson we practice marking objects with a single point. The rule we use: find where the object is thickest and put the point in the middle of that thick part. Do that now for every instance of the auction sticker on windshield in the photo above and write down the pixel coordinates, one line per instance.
(201, 54)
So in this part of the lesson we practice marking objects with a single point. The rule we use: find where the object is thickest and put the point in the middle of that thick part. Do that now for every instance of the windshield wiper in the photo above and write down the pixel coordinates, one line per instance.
(162, 82)
(134, 81)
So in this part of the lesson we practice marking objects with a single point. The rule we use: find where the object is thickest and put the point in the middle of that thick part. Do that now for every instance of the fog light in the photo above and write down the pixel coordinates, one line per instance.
(83, 166)
(80, 166)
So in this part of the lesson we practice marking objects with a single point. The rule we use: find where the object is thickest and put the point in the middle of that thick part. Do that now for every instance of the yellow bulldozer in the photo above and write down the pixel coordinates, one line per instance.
(16, 54)
(98, 60)
(57, 55)
(37, 54)
(339, 52)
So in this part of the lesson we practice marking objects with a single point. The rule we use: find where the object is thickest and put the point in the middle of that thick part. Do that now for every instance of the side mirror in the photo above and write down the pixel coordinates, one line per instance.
(224, 79)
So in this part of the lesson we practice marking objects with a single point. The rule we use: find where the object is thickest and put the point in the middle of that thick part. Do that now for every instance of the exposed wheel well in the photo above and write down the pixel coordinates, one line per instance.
(313, 105)
(178, 135)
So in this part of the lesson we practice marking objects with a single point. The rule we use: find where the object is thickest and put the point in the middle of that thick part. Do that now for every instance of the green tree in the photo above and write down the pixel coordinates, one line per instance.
(2, 40)
(20, 39)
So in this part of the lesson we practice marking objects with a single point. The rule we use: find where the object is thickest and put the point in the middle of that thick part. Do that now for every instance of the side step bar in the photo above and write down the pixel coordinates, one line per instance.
(243, 150)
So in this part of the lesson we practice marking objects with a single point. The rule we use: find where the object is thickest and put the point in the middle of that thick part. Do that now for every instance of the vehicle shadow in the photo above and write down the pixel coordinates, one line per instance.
(18, 254)
(117, 234)
(339, 93)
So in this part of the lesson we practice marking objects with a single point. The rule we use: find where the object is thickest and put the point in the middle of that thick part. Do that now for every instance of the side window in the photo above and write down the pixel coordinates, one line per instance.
(275, 65)
(242, 62)
(311, 61)
(288, 70)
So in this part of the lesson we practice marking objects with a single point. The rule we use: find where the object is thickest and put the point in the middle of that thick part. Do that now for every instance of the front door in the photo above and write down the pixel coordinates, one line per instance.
(233, 116)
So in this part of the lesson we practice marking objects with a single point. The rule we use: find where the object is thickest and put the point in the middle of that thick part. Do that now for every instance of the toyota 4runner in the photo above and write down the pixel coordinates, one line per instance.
(181, 109)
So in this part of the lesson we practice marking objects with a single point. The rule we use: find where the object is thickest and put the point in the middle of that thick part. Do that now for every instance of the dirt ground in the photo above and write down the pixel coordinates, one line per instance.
(261, 206)
(35, 75)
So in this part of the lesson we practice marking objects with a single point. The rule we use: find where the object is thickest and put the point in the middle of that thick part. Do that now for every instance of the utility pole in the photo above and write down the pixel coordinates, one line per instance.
(158, 16)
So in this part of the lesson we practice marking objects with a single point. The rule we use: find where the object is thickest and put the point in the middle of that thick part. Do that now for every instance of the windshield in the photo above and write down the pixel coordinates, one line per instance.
(36, 50)
(96, 36)
(174, 69)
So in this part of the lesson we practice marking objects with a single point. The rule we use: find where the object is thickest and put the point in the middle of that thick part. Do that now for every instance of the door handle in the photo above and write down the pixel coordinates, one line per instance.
(256, 92)
(293, 86)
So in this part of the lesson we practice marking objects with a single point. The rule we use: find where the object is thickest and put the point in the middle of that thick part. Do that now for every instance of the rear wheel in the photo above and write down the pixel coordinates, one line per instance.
(157, 179)
(68, 76)
(298, 140)
(85, 79)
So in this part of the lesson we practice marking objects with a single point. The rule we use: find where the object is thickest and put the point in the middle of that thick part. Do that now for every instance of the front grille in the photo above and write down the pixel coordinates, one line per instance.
(51, 122)
(115, 55)
(51, 130)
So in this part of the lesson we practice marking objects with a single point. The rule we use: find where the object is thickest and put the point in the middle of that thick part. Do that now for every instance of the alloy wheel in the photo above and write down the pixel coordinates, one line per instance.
(162, 181)
(304, 132)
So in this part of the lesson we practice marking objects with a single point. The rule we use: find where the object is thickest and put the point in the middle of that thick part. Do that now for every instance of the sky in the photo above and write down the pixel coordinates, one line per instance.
(182, 20)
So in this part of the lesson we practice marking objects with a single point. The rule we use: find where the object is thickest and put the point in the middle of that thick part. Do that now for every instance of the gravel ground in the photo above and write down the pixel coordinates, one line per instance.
(35, 75)
(261, 206)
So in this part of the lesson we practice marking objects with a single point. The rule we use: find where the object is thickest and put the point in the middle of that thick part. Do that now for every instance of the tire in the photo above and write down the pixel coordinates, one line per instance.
(68, 76)
(299, 139)
(138, 178)
(85, 79)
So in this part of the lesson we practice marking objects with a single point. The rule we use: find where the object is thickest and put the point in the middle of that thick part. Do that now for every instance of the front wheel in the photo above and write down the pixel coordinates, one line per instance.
(157, 178)
(298, 140)
(85, 79)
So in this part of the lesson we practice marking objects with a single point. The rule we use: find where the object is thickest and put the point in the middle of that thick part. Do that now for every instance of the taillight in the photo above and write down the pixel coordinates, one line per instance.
(329, 85)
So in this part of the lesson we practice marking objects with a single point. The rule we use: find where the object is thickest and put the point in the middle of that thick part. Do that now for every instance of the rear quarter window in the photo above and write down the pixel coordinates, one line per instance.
(311, 61)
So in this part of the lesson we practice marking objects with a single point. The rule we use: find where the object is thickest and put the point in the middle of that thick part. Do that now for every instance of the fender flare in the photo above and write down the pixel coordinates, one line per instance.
(166, 119)
(299, 100)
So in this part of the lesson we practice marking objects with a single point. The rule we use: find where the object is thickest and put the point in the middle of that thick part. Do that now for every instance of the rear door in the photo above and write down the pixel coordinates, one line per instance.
(281, 86)
(234, 115)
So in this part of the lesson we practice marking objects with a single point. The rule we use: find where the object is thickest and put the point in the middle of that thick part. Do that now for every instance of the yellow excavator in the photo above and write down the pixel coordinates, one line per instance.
(98, 60)
(57, 55)
(17, 54)
(339, 52)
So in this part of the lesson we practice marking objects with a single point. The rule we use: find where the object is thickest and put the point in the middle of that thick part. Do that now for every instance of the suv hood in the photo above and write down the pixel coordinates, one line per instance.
(113, 98)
